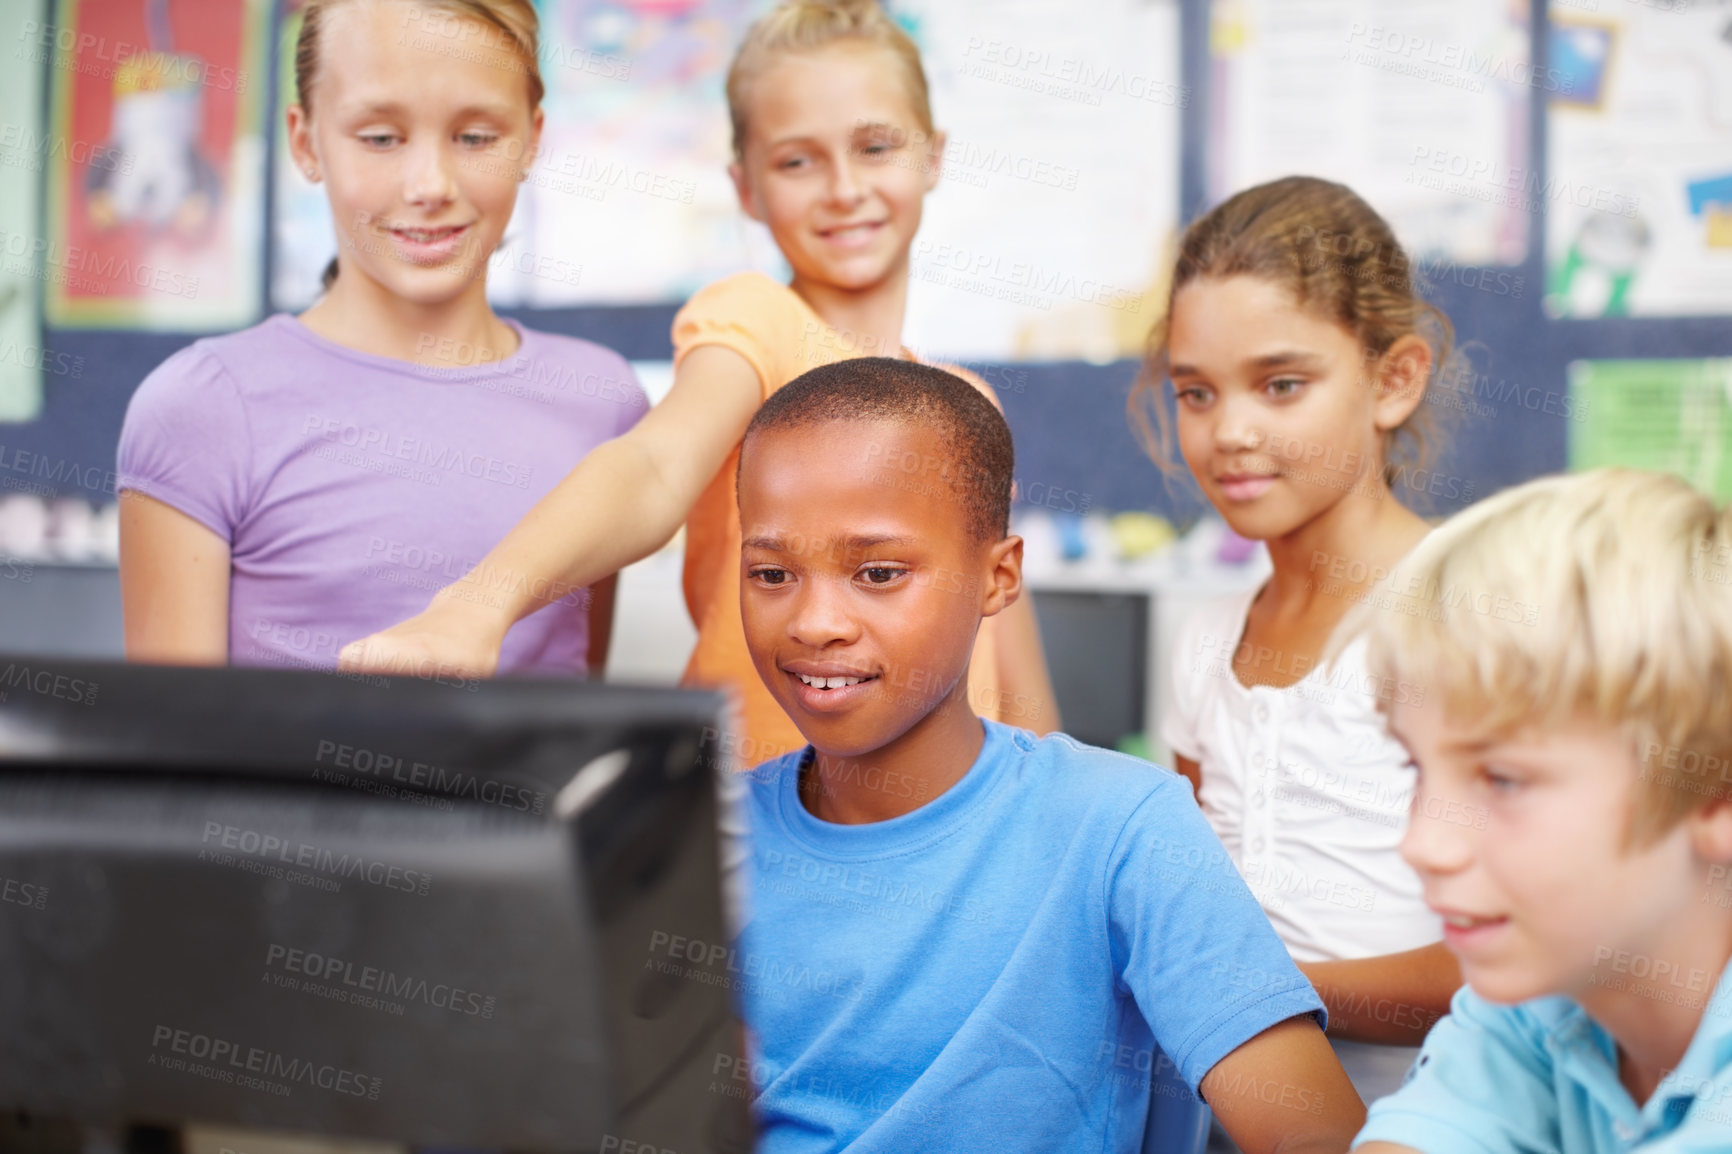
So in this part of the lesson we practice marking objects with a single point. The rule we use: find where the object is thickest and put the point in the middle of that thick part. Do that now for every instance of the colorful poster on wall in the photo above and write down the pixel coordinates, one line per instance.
(160, 225)
(632, 183)
(1669, 416)
(25, 148)
(1420, 106)
(1640, 157)
(1058, 200)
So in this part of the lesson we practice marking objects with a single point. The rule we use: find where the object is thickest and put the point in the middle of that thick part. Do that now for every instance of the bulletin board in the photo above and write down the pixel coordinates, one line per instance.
(1065, 371)
(1642, 162)
(1420, 106)
(1673, 416)
(1561, 175)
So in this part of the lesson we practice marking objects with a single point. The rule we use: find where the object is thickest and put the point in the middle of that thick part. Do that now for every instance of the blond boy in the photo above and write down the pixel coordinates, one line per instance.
(1573, 820)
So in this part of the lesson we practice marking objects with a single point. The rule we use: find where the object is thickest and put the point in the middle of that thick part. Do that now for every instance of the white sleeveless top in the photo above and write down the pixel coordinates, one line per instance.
(1309, 794)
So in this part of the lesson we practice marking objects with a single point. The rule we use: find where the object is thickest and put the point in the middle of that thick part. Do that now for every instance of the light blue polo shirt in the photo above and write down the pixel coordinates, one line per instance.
(992, 972)
(1543, 1076)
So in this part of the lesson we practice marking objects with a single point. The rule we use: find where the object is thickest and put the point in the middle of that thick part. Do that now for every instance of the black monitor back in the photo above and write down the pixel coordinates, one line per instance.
(370, 907)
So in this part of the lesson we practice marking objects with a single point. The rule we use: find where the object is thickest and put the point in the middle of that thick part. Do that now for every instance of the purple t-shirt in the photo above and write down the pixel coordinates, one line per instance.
(350, 487)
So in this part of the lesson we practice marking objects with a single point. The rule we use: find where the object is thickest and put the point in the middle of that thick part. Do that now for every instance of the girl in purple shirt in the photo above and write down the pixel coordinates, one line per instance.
(316, 478)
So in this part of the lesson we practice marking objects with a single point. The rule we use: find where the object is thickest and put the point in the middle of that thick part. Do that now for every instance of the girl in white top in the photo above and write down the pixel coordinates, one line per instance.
(1298, 354)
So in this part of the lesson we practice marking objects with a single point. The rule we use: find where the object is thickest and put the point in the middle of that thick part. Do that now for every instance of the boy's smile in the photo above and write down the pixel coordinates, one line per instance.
(1522, 845)
(826, 686)
(862, 589)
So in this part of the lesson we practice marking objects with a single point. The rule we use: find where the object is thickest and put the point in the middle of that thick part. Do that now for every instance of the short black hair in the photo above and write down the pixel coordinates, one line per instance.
(981, 460)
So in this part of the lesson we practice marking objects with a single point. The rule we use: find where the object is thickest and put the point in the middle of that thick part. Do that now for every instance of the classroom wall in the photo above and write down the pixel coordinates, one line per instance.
(1068, 417)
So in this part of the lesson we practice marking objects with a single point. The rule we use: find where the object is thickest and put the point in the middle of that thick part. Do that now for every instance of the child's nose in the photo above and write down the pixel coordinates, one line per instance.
(1236, 426)
(429, 178)
(821, 615)
(1440, 833)
(845, 183)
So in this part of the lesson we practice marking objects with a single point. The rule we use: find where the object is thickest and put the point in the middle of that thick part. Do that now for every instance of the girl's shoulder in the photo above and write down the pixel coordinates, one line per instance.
(747, 303)
(215, 364)
(754, 290)
(764, 321)
(269, 337)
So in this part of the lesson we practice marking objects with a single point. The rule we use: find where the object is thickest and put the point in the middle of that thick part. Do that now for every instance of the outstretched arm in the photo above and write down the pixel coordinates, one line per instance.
(1393, 999)
(1283, 1092)
(620, 504)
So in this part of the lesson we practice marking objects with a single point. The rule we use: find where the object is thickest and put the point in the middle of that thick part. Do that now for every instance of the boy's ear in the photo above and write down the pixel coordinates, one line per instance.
(743, 190)
(1401, 375)
(1004, 580)
(1711, 832)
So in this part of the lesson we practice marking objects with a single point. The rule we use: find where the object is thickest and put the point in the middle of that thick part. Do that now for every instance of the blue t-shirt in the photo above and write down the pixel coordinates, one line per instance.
(992, 972)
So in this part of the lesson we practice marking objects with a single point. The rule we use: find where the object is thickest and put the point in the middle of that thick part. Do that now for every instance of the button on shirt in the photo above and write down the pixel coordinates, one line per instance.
(1543, 1075)
(1306, 789)
(1309, 793)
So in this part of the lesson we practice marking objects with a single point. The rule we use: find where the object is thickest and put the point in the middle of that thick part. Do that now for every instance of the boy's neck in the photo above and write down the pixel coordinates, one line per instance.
(361, 314)
(872, 316)
(900, 777)
(1654, 1027)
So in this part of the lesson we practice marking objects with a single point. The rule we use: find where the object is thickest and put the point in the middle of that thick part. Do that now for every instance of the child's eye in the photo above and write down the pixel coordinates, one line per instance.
(770, 576)
(1282, 387)
(1501, 782)
(791, 163)
(378, 139)
(1193, 395)
(478, 139)
(880, 574)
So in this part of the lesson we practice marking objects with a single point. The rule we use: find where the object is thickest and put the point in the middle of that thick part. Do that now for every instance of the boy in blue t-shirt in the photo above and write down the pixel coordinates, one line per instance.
(1572, 822)
(964, 938)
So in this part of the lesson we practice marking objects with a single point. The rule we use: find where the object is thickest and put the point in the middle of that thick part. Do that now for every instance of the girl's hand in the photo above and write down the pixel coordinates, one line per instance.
(449, 639)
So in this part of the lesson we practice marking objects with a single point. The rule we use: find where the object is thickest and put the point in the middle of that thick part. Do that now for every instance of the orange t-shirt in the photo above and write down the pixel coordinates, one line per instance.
(781, 337)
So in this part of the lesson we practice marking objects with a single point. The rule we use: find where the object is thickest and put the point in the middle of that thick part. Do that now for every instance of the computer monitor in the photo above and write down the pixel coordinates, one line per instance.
(1097, 644)
(477, 914)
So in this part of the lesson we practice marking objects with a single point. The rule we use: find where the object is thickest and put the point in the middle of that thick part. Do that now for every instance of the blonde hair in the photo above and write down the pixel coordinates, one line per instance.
(514, 20)
(796, 26)
(1603, 595)
(1335, 254)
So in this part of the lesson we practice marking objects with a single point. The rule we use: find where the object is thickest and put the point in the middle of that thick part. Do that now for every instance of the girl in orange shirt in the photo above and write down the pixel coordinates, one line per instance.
(834, 151)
